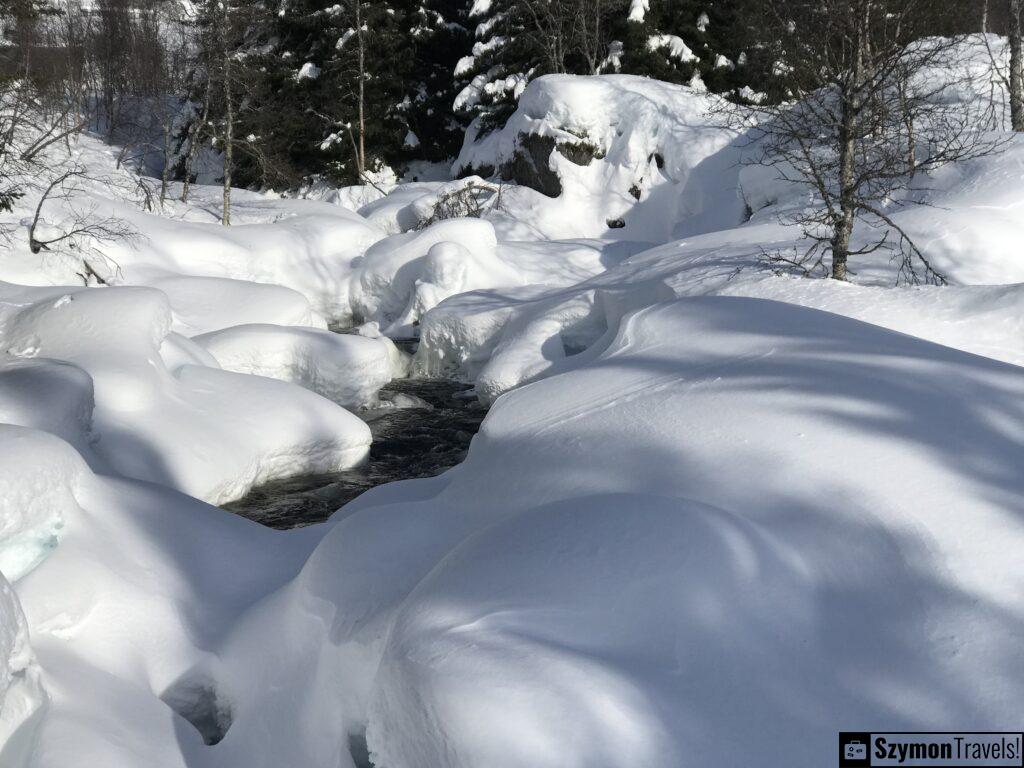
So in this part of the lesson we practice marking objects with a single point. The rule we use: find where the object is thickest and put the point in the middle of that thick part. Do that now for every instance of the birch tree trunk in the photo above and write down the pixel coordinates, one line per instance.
(1016, 72)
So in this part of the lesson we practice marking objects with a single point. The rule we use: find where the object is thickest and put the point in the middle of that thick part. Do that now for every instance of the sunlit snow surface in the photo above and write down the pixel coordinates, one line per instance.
(713, 513)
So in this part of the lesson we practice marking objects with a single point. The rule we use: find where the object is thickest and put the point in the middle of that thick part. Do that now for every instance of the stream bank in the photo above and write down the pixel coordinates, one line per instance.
(422, 428)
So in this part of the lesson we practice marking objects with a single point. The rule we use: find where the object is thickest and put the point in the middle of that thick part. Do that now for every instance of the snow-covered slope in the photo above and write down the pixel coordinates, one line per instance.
(741, 511)
(714, 515)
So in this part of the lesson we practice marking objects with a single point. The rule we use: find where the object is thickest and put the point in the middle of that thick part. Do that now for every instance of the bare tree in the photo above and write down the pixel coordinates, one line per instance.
(552, 23)
(80, 229)
(863, 120)
(592, 30)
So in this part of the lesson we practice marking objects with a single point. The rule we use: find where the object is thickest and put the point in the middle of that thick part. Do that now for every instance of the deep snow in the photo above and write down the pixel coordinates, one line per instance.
(714, 513)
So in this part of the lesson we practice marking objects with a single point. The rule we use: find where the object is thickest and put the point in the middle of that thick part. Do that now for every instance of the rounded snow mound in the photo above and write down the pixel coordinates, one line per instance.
(206, 304)
(164, 412)
(38, 478)
(347, 369)
(48, 395)
(115, 335)
(551, 627)
(399, 279)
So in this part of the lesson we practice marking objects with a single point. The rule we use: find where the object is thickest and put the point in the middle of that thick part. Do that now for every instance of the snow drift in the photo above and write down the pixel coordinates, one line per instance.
(200, 429)
(739, 511)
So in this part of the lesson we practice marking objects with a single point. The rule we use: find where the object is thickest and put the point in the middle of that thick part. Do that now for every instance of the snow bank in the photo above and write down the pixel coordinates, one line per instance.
(38, 478)
(306, 246)
(209, 432)
(619, 152)
(123, 615)
(501, 340)
(737, 511)
(348, 369)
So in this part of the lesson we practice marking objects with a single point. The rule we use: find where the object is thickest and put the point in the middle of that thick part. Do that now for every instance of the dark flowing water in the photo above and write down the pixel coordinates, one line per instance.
(428, 432)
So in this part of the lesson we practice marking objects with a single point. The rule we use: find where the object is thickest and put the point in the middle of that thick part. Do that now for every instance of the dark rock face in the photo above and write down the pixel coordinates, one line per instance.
(483, 171)
(531, 164)
(580, 152)
(531, 167)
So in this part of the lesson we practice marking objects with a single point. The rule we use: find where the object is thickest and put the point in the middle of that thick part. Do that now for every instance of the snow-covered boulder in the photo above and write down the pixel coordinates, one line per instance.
(309, 249)
(161, 413)
(400, 210)
(38, 477)
(347, 369)
(402, 277)
(619, 152)
(205, 304)
(48, 395)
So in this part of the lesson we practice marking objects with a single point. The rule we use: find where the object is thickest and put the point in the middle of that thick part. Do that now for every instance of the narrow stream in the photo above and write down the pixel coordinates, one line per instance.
(422, 428)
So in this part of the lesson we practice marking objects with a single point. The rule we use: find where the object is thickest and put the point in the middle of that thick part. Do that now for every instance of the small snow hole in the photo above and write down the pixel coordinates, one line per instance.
(196, 700)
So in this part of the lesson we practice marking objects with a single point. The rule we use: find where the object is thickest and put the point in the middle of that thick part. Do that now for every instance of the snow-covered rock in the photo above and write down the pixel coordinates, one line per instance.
(626, 153)
(206, 431)
(48, 395)
(402, 277)
(205, 304)
(347, 369)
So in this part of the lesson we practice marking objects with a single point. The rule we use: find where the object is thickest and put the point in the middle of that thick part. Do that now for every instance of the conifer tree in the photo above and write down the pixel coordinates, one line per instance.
(503, 60)
(441, 37)
(704, 43)
(328, 101)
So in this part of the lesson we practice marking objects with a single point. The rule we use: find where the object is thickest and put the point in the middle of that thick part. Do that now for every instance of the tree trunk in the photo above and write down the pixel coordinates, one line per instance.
(165, 173)
(229, 119)
(1016, 81)
(361, 160)
(843, 226)
(851, 101)
(193, 144)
